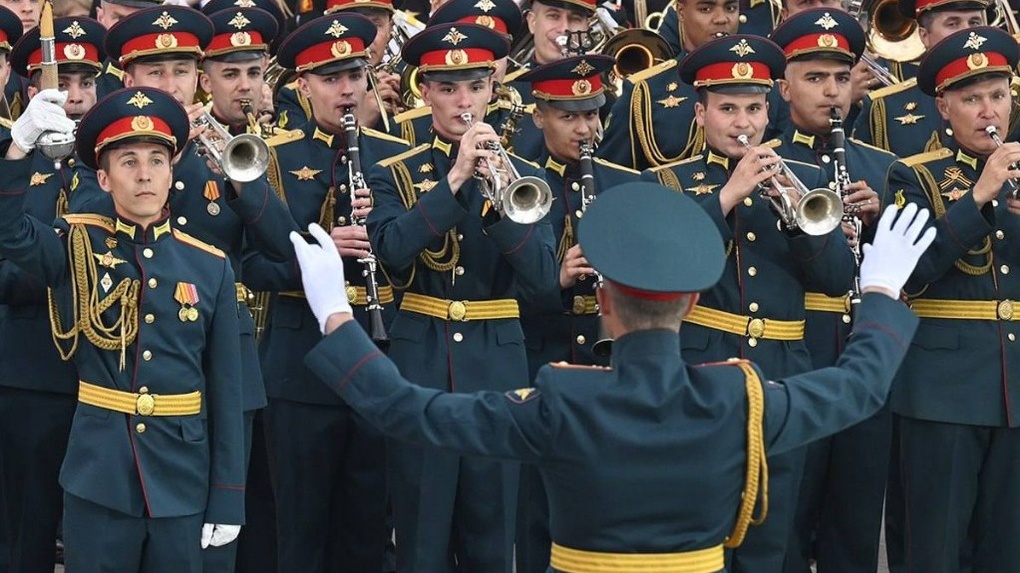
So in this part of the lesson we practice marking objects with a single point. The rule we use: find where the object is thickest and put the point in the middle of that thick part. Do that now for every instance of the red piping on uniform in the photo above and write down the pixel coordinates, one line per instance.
(134, 380)
(426, 217)
(357, 366)
(523, 241)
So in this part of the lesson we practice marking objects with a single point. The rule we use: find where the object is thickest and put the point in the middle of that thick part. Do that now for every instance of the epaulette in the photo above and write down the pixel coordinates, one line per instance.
(772, 143)
(563, 365)
(873, 148)
(189, 240)
(114, 71)
(92, 219)
(404, 155)
(653, 71)
(895, 88)
(412, 114)
(384, 136)
(512, 76)
(692, 159)
(6, 122)
(927, 156)
(285, 136)
(615, 166)
(290, 86)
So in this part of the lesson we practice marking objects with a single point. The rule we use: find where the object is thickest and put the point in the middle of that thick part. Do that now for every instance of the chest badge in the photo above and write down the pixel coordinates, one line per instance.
(425, 168)
(425, 185)
(106, 282)
(39, 178)
(702, 189)
(108, 260)
(305, 173)
(672, 101)
(954, 183)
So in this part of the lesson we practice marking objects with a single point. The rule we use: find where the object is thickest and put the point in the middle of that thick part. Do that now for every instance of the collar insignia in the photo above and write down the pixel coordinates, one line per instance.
(713, 157)
(808, 140)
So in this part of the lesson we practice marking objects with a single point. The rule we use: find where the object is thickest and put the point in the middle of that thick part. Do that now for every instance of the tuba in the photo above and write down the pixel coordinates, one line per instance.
(523, 200)
(241, 158)
(817, 211)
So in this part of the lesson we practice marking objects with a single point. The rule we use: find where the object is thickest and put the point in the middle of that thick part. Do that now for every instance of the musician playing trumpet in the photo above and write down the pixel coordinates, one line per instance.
(336, 510)
(756, 311)
(465, 266)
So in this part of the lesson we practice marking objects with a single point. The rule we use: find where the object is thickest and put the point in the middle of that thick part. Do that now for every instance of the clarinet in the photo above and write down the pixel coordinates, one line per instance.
(356, 180)
(838, 139)
(602, 347)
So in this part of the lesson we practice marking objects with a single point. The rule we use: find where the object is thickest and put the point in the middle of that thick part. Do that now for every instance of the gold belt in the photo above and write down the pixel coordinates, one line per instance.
(356, 295)
(460, 310)
(569, 560)
(823, 303)
(965, 309)
(141, 403)
(244, 294)
(766, 328)
(585, 305)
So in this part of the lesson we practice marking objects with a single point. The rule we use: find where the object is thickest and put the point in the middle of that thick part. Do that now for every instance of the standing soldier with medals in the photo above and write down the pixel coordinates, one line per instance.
(328, 464)
(465, 264)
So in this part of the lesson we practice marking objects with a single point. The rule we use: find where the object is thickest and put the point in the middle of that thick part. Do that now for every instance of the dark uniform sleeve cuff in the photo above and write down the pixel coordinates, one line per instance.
(338, 358)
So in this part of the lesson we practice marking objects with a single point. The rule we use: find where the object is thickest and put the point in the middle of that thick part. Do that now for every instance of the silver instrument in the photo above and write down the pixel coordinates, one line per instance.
(1014, 185)
(816, 212)
(241, 158)
(850, 212)
(881, 73)
(523, 200)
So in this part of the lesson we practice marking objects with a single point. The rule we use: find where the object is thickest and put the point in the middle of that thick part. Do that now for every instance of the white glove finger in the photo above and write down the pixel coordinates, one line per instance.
(925, 241)
(224, 534)
(323, 238)
(302, 250)
(905, 219)
(59, 123)
(53, 96)
(207, 531)
(865, 249)
(917, 226)
(885, 222)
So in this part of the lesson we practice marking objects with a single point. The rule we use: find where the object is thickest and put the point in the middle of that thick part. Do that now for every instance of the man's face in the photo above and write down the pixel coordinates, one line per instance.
(547, 23)
(703, 20)
(81, 92)
(5, 68)
(565, 130)
(944, 23)
(109, 13)
(971, 109)
(813, 88)
(383, 25)
(726, 116)
(793, 7)
(331, 95)
(231, 82)
(27, 11)
(449, 100)
(138, 178)
(179, 78)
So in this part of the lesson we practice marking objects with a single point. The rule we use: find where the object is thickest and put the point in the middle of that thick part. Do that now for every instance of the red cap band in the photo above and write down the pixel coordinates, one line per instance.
(68, 53)
(733, 73)
(490, 22)
(818, 42)
(149, 44)
(469, 57)
(134, 126)
(332, 51)
(976, 63)
(236, 41)
(568, 89)
(335, 5)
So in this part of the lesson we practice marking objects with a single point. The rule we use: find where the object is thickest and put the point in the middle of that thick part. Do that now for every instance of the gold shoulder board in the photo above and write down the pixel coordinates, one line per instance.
(895, 88)
(664, 166)
(512, 76)
(561, 365)
(285, 136)
(412, 114)
(652, 71)
(927, 156)
(384, 136)
(872, 147)
(189, 240)
(404, 155)
(615, 166)
(90, 219)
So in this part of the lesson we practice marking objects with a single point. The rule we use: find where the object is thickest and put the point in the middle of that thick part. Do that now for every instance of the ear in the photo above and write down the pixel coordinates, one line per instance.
(103, 178)
(425, 91)
(129, 80)
(695, 296)
(604, 301)
(302, 85)
(699, 114)
(529, 17)
(942, 104)
(922, 34)
(32, 91)
(784, 90)
(538, 117)
(205, 82)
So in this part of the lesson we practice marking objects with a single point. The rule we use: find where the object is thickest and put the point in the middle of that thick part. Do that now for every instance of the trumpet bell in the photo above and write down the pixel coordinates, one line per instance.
(891, 34)
(527, 200)
(244, 158)
(410, 90)
(819, 211)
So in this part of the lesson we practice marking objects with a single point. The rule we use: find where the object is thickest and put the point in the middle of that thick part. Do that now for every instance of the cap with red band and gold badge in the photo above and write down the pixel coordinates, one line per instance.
(586, 7)
(78, 45)
(501, 15)
(571, 84)
(241, 34)
(10, 29)
(333, 6)
(914, 8)
(162, 32)
(130, 115)
(820, 33)
(967, 55)
(328, 44)
(739, 63)
(455, 52)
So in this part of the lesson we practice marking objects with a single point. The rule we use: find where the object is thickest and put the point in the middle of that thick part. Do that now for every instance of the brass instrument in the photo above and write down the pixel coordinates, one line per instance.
(54, 145)
(263, 130)
(509, 129)
(837, 138)
(241, 158)
(634, 49)
(817, 211)
(523, 200)
(1005, 18)
(1014, 185)
(881, 73)
(890, 34)
(356, 180)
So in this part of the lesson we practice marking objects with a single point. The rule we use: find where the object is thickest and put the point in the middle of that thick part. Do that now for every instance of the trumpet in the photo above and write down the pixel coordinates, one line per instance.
(881, 73)
(241, 158)
(850, 212)
(817, 212)
(263, 130)
(1014, 185)
(523, 200)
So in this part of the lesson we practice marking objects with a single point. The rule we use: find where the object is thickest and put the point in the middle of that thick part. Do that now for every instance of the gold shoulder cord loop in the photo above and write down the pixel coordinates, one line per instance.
(931, 188)
(756, 481)
(87, 307)
(432, 259)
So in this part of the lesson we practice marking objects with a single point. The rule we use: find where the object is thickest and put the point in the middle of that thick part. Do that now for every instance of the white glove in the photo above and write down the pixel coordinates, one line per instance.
(45, 112)
(322, 274)
(898, 245)
(217, 535)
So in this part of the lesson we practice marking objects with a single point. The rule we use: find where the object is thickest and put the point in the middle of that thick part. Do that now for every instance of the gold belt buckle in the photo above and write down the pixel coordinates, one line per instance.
(352, 294)
(457, 310)
(1005, 310)
(578, 304)
(145, 405)
(756, 327)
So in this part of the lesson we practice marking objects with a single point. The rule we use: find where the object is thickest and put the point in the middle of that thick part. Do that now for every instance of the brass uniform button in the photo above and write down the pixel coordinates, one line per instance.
(753, 307)
(147, 253)
(153, 283)
(1004, 269)
(826, 159)
(1011, 337)
(147, 355)
(140, 428)
(575, 186)
(752, 237)
(457, 337)
(846, 319)
(182, 220)
(752, 271)
(995, 202)
(150, 318)
(748, 201)
(581, 339)
(1000, 235)
(143, 390)
(341, 220)
(459, 271)
(179, 186)
(752, 342)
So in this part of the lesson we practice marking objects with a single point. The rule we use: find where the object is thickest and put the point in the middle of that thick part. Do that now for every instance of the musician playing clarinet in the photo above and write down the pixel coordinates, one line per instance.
(328, 464)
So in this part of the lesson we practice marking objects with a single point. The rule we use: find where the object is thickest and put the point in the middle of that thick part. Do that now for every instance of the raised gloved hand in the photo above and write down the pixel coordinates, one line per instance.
(216, 534)
(45, 112)
(322, 274)
(897, 247)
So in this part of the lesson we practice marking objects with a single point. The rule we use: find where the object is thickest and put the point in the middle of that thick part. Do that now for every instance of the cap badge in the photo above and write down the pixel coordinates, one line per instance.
(141, 123)
(742, 48)
(486, 20)
(977, 61)
(245, 3)
(139, 100)
(583, 69)
(827, 22)
(456, 57)
(742, 71)
(239, 21)
(74, 52)
(336, 29)
(165, 21)
(454, 37)
(340, 48)
(166, 41)
(974, 41)
(239, 39)
(74, 30)
(581, 87)
(485, 5)
(827, 41)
